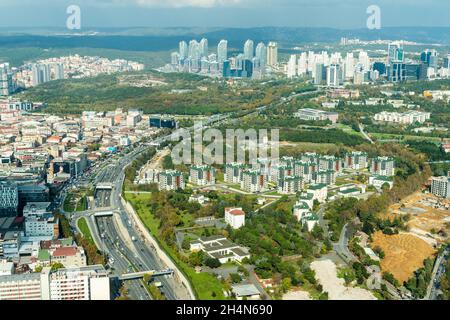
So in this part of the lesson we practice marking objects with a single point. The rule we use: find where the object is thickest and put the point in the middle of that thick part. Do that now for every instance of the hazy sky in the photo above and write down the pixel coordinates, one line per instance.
(228, 13)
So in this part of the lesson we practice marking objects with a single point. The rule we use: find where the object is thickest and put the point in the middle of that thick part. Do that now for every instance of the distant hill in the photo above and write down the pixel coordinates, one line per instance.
(155, 39)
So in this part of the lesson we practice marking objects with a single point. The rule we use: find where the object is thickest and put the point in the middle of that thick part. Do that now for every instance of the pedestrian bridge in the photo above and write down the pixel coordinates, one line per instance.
(103, 214)
(139, 275)
(104, 186)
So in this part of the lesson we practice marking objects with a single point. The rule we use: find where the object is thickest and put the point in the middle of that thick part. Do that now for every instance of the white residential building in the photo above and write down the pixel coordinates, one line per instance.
(383, 166)
(440, 187)
(409, 117)
(220, 248)
(290, 185)
(301, 209)
(202, 175)
(319, 192)
(253, 181)
(233, 172)
(171, 180)
(235, 217)
(316, 115)
(86, 283)
(356, 161)
(379, 181)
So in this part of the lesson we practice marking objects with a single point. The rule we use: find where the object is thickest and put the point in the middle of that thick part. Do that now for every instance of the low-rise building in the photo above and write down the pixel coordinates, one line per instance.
(6, 268)
(316, 115)
(220, 248)
(301, 208)
(309, 220)
(246, 291)
(319, 192)
(235, 217)
(409, 117)
(379, 181)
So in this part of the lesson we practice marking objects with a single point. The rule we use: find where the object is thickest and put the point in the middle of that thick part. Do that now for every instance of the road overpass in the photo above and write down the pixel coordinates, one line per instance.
(153, 273)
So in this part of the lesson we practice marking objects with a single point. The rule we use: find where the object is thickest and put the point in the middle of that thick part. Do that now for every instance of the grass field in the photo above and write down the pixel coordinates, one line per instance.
(389, 136)
(206, 286)
(84, 228)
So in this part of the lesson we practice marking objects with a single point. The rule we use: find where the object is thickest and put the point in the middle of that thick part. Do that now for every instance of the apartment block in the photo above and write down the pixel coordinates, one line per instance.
(202, 175)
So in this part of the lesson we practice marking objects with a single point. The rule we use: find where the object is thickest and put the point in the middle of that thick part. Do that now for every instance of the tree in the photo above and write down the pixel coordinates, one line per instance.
(235, 278)
(56, 266)
(212, 263)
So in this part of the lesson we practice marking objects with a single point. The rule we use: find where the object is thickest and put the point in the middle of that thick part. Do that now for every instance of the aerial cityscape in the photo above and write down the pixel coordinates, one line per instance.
(284, 163)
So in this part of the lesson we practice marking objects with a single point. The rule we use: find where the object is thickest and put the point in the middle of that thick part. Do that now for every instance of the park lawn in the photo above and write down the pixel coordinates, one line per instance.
(387, 136)
(69, 203)
(349, 130)
(204, 284)
(81, 204)
(84, 228)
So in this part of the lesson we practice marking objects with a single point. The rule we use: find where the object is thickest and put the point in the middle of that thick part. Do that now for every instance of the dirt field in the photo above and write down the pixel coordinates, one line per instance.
(297, 295)
(425, 217)
(326, 274)
(404, 253)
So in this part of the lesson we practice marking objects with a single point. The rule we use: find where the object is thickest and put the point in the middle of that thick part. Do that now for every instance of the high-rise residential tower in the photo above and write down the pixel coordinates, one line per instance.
(222, 51)
(272, 54)
(248, 49)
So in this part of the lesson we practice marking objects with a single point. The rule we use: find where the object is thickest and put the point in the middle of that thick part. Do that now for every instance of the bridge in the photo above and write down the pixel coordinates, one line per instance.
(103, 214)
(139, 275)
(104, 186)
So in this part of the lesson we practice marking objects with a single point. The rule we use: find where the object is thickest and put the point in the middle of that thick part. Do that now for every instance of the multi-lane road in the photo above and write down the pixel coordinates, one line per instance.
(118, 236)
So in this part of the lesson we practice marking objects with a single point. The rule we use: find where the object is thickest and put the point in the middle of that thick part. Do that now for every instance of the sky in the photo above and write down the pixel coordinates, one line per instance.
(344, 14)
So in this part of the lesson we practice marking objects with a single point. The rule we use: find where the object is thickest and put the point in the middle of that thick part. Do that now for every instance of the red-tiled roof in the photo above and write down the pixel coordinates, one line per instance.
(235, 211)
(65, 252)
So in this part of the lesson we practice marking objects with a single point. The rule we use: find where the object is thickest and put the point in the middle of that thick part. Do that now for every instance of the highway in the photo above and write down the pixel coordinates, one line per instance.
(129, 257)
(113, 232)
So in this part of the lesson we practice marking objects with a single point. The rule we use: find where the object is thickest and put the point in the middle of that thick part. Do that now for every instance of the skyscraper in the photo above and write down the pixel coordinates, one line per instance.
(58, 71)
(222, 51)
(184, 51)
(396, 63)
(334, 75)
(194, 49)
(447, 62)
(320, 74)
(41, 73)
(349, 65)
(395, 53)
(364, 60)
(292, 67)
(204, 47)
(6, 82)
(261, 54)
(272, 54)
(248, 49)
